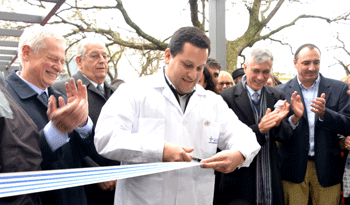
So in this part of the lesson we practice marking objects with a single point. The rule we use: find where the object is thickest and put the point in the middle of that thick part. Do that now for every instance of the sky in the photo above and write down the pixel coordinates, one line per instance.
(161, 18)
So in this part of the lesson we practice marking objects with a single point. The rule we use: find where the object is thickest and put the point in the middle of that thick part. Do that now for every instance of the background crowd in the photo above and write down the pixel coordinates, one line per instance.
(260, 141)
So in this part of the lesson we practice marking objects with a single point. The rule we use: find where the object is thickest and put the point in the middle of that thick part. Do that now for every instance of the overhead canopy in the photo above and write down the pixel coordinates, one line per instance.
(8, 48)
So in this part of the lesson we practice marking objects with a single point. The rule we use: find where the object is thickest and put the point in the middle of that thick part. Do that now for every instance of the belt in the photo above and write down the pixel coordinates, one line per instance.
(312, 158)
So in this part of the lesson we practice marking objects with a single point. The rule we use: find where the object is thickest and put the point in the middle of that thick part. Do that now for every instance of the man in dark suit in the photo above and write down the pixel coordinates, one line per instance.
(253, 102)
(64, 130)
(311, 162)
(92, 60)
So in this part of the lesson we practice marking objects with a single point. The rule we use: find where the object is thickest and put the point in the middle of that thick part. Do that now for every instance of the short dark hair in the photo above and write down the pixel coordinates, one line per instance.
(211, 62)
(309, 45)
(192, 35)
(208, 79)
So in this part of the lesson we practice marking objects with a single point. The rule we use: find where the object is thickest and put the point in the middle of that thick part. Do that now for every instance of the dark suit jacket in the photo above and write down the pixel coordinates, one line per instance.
(241, 183)
(69, 155)
(328, 159)
(19, 140)
(96, 101)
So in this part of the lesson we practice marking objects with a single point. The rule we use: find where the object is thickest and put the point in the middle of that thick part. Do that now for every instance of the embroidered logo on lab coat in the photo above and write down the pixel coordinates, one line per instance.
(207, 123)
(213, 140)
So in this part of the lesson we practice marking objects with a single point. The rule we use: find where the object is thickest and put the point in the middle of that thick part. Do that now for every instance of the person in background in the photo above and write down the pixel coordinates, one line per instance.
(253, 102)
(345, 146)
(206, 80)
(214, 68)
(65, 128)
(225, 81)
(92, 61)
(237, 75)
(168, 117)
(273, 80)
(311, 163)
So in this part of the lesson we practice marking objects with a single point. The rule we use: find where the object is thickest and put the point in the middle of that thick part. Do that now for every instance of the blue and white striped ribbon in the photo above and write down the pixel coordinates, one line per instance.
(19, 183)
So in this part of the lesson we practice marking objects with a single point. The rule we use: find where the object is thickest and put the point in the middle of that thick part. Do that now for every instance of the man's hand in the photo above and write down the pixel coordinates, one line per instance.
(225, 161)
(297, 107)
(67, 117)
(273, 119)
(319, 106)
(176, 153)
(80, 93)
(107, 186)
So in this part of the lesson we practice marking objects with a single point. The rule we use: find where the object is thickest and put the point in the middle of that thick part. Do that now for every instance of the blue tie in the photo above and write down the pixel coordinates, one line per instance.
(255, 97)
(99, 87)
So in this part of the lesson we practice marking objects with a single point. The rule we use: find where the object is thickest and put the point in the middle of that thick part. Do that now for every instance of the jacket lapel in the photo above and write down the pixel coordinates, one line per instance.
(294, 86)
(241, 100)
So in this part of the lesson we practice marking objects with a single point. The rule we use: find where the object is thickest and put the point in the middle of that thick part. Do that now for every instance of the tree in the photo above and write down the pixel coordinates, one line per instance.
(80, 16)
(342, 47)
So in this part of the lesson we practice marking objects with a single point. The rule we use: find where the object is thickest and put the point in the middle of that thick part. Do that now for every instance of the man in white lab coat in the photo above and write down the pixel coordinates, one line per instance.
(166, 117)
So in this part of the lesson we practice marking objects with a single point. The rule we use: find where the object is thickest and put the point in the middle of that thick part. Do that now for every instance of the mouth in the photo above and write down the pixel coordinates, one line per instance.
(188, 81)
(52, 73)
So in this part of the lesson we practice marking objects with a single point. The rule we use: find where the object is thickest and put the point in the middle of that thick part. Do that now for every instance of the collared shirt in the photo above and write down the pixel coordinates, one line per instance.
(251, 91)
(310, 94)
(183, 100)
(93, 83)
(54, 137)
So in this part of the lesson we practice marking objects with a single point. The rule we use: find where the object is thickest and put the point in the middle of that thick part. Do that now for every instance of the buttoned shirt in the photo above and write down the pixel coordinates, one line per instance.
(310, 94)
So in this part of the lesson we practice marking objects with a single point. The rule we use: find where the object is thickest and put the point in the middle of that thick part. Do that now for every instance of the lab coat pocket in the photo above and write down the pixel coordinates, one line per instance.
(210, 138)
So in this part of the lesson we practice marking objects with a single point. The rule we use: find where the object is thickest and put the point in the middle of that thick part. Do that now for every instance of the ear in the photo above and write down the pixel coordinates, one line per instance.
(79, 61)
(245, 68)
(295, 63)
(167, 56)
(26, 51)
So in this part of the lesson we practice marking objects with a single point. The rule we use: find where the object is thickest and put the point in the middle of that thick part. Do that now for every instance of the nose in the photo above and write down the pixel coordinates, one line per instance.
(260, 76)
(312, 67)
(192, 74)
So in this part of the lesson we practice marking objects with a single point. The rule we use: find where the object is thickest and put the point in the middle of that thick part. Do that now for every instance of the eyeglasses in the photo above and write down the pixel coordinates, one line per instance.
(226, 83)
(97, 56)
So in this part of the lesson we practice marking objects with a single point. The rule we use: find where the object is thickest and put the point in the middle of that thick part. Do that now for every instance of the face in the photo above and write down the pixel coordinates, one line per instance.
(202, 82)
(94, 63)
(270, 82)
(185, 69)
(224, 82)
(214, 72)
(308, 65)
(257, 74)
(43, 68)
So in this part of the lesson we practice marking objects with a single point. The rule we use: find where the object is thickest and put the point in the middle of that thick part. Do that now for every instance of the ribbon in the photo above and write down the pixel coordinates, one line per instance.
(19, 183)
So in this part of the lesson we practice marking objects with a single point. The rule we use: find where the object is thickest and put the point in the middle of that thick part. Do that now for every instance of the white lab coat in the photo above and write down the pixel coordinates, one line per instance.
(140, 116)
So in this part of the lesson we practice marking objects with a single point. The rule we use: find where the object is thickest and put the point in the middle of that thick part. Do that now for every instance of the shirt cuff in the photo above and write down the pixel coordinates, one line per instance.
(291, 123)
(85, 131)
(54, 137)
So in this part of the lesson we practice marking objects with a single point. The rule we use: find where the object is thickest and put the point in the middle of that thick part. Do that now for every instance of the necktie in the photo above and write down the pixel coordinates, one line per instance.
(255, 97)
(99, 87)
(44, 97)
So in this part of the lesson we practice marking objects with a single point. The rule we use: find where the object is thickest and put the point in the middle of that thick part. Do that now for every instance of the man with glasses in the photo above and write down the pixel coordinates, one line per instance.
(92, 60)
(225, 81)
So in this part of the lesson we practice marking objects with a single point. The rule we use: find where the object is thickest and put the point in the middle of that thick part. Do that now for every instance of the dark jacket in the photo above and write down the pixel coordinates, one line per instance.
(69, 155)
(328, 159)
(241, 183)
(96, 101)
(19, 140)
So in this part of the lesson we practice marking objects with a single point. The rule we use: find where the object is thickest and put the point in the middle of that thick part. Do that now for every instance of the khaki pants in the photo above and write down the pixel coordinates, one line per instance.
(299, 193)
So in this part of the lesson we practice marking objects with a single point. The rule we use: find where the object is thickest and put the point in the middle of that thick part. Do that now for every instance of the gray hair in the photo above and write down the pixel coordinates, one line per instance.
(81, 50)
(34, 37)
(259, 55)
